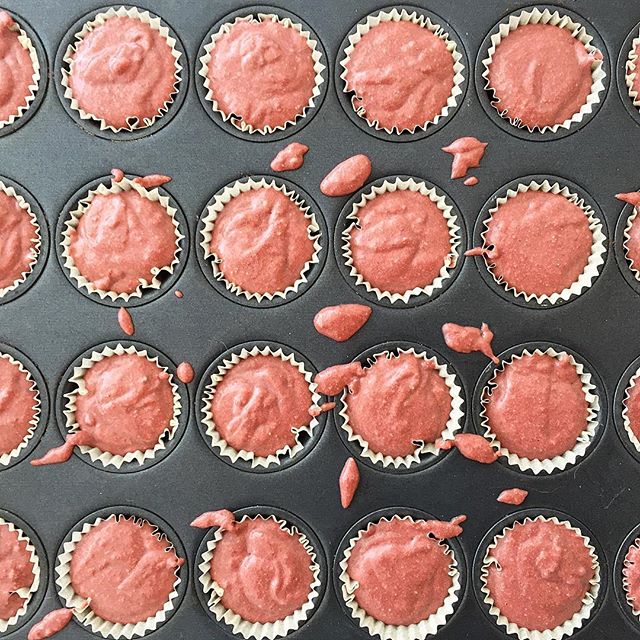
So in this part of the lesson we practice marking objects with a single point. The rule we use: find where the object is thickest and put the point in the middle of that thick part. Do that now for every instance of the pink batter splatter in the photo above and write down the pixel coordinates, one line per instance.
(316, 410)
(471, 446)
(467, 153)
(126, 321)
(185, 372)
(342, 321)
(290, 158)
(331, 381)
(347, 177)
(349, 481)
(633, 197)
(443, 529)
(151, 181)
(471, 181)
(467, 339)
(223, 519)
(118, 174)
(513, 496)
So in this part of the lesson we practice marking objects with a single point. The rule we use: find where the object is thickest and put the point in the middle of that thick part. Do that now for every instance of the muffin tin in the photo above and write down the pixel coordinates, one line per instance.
(51, 321)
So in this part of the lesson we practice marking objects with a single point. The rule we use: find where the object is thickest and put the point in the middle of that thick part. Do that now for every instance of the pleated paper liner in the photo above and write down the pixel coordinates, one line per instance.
(630, 271)
(630, 608)
(627, 381)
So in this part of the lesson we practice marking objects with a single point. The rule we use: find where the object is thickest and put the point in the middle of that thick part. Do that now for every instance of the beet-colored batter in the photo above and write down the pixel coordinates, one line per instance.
(401, 75)
(541, 242)
(538, 408)
(261, 238)
(471, 181)
(442, 529)
(467, 153)
(126, 321)
(178, 294)
(332, 380)
(400, 399)
(126, 568)
(541, 574)
(16, 70)
(118, 174)
(290, 158)
(17, 402)
(403, 241)
(18, 239)
(259, 403)
(348, 482)
(541, 75)
(63, 453)
(121, 239)
(54, 622)
(402, 574)
(342, 321)
(224, 519)
(513, 496)
(632, 244)
(152, 181)
(631, 575)
(122, 71)
(185, 372)
(346, 177)
(468, 339)
(632, 198)
(471, 446)
(16, 571)
(632, 405)
(261, 73)
(315, 410)
(264, 570)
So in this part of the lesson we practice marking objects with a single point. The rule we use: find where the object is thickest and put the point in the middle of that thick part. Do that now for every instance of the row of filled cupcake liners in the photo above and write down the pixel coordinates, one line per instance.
(566, 19)
(468, 571)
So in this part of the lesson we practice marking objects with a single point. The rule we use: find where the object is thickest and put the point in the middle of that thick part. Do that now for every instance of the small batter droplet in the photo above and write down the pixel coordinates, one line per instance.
(442, 529)
(290, 158)
(179, 293)
(467, 153)
(513, 496)
(349, 481)
(471, 446)
(126, 321)
(633, 197)
(151, 181)
(331, 381)
(347, 177)
(185, 372)
(118, 175)
(223, 519)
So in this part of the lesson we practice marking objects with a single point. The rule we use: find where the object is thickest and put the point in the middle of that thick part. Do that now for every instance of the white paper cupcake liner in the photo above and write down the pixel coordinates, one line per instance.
(454, 423)
(394, 15)
(596, 257)
(635, 606)
(567, 628)
(236, 119)
(631, 70)
(400, 184)
(257, 630)
(35, 248)
(535, 16)
(215, 209)
(226, 449)
(104, 457)
(137, 14)
(417, 631)
(627, 237)
(625, 412)
(6, 458)
(557, 463)
(85, 615)
(74, 219)
(35, 562)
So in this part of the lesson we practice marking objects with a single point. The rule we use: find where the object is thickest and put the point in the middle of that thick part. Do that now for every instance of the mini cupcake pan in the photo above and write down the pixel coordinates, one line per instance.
(54, 158)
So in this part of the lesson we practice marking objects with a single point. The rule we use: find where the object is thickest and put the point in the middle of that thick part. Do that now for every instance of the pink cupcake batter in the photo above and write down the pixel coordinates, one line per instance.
(261, 238)
(265, 571)
(261, 73)
(126, 568)
(541, 75)
(632, 245)
(541, 574)
(121, 238)
(632, 404)
(631, 575)
(410, 394)
(122, 72)
(258, 404)
(402, 573)
(636, 81)
(18, 238)
(16, 571)
(538, 408)
(401, 75)
(403, 241)
(17, 401)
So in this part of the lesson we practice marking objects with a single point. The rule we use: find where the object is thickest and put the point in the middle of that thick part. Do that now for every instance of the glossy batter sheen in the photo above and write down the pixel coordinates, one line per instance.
(632, 403)
(265, 571)
(262, 73)
(128, 404)
(537, 409)
(401, 75)
(541, 75)
(347, 176)
(631, 571)
(400, 400)
(120, 238)
(403, 574)
(262, 241)
(259, 402)
(17, 400)
(123, 70)
(126, 569)
(290, 158)
(18, 237)
(402, 243)
(542, 575)
(341, 321)
(16, 571)
(541, 242)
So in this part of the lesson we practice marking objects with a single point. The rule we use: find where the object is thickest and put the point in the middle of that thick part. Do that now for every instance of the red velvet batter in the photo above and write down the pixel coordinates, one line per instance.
(315, 410)
(542, 575)
(262, 239)
(349, 481)
(471, 181)
(471, 446)
(265, 571)
(17, 400)
(259, 402)
(122, 70)
(16, 571)
(538, 408)
(120, 238)
(126, 569)
(467, 153)
(290, 158)
(442, 530)
(402, 243)
(513, 496)
(223, 519)
(631, 572)
(54, 622)
(412, 397)
(468, 339)
(632, 244)
(632, 197)
(403, 575)
(262, 73)
(118, 174)
(541, 74)
(541, 242)
(185, 372)
(632, 403)
(152, 181)
(17, 238)
(16, 69)
(331, 381)
(401, 75)
(126, 321)
(342, 321)
(347, 177)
